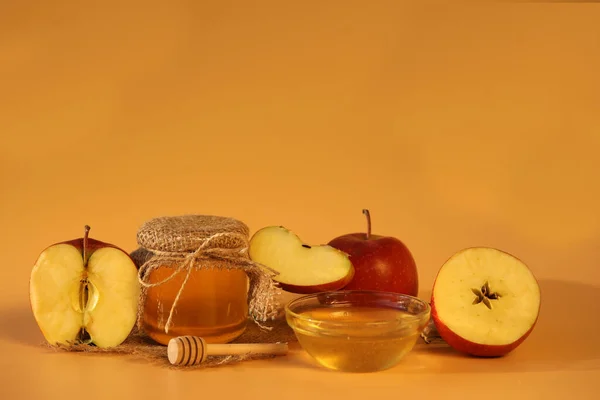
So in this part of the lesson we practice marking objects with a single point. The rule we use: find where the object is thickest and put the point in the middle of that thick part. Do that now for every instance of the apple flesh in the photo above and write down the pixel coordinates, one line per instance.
(485, 302)
(382, 263)
(300, 268)
(84, 291)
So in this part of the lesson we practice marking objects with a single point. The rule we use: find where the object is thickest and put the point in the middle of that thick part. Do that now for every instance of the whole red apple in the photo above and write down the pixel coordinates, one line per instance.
(382, 263)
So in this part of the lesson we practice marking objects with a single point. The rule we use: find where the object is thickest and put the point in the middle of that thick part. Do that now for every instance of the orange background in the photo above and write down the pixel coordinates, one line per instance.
(455, 125)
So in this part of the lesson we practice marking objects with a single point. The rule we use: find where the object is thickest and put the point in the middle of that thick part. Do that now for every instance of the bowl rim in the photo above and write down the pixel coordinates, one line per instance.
(423, 315)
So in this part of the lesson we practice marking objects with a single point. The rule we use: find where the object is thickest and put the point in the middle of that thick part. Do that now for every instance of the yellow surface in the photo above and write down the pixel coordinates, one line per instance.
(455, 125)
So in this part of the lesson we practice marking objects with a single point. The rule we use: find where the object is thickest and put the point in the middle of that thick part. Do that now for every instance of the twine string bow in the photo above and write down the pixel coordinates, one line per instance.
(187, 262)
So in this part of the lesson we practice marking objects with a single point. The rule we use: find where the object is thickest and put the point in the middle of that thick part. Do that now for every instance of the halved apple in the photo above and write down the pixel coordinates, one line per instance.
(485, 302)
(301, 268)
(84, 291)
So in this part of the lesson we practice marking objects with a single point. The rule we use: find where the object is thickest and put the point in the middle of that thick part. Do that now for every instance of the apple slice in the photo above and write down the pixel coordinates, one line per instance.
(84, 291)
(301, 268)
(485, 302)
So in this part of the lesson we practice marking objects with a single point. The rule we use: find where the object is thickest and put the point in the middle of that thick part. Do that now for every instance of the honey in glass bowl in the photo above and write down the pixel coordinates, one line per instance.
(357, 331)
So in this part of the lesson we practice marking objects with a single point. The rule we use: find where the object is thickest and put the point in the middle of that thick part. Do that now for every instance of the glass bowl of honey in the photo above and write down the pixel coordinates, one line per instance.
(357, 330)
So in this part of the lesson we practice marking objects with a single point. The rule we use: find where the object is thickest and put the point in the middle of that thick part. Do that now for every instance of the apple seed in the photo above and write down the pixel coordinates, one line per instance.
(84, 294)
(484, 295)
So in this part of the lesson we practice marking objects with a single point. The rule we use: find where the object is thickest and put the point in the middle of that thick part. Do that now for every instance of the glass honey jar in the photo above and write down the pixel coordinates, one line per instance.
(187, 263)
(213, 305)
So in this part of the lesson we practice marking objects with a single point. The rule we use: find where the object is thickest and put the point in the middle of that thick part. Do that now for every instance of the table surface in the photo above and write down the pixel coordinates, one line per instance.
(456, 125)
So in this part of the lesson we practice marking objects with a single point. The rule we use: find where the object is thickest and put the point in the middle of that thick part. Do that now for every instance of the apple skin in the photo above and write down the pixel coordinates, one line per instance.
(329, 286)
(92, 245)
(470, 348)
(381, 263)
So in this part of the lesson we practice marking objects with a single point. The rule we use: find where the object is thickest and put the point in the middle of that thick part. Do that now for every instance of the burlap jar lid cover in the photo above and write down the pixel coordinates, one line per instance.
(204, 241)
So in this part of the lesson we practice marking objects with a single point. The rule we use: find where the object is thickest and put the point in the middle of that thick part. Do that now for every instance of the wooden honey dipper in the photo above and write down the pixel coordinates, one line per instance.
(193, 350)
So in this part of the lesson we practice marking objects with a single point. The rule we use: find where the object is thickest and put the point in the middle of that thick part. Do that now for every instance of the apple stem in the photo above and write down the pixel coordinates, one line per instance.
(85, 244)
(366, 212)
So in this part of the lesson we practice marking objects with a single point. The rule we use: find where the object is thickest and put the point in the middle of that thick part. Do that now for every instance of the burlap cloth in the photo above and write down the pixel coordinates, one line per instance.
(198, 242)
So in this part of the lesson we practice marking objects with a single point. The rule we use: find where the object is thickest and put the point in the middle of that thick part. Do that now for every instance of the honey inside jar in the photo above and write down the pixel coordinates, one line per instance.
(336, 338)
(212, 305)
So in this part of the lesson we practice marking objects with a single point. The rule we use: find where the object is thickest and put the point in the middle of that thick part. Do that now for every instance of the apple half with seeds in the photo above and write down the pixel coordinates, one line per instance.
(485, 302)
(84, 291)
(301, 268)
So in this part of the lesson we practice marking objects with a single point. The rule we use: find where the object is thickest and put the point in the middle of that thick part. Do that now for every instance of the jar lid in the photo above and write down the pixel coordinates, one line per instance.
(186, 233)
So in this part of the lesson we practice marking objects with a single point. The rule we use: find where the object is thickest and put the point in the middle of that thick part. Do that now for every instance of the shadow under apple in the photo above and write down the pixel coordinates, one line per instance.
(564, 337)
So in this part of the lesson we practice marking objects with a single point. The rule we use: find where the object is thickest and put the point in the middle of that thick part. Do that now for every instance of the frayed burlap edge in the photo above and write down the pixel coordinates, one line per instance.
(138, 346)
